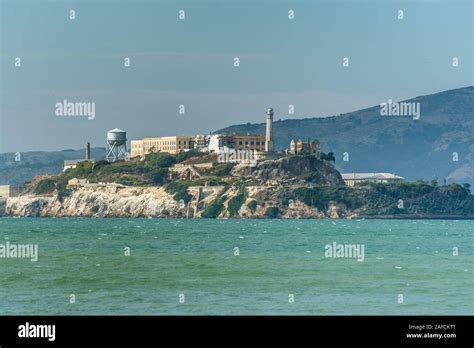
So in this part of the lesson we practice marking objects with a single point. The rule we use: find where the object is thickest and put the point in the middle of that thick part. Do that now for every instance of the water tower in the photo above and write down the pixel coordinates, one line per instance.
(116, 145)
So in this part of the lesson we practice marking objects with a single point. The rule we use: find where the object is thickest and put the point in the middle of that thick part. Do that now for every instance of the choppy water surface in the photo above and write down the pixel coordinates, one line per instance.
(196, 258)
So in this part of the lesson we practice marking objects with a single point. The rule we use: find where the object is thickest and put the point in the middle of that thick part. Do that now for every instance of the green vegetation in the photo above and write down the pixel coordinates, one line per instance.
(182, 195)
(159, 160)
(176, 186)
(180, 190)
(213, 210)
(420, 197)
(83, 169)
(62, 194)
(159, 176)
(184, 156)
(320, 196)
(236, 202)
(393, 199)
(328, 157)
(272, 212)
(45, 186)
(153, 170)
(129, 180)
(252, 205)
(180, 187)
(223, 169)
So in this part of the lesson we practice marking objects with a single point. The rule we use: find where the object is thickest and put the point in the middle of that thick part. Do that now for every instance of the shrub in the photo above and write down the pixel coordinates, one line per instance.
(272, 212)
(166, 161)
(160, 160)
(159, 176)
(180, 190)
(252, 205)
(319, 197)
(183, 156)
(82, 169)
(236, 202)
(100, 164)
(63, 193)
(213, 210)
(176, 186)
(328, 157)
(129, 181)
(182, 195)
(45, 186)
(224, 170)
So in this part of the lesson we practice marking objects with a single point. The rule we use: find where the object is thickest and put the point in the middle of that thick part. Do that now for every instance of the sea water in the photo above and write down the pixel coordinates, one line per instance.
(237, 267)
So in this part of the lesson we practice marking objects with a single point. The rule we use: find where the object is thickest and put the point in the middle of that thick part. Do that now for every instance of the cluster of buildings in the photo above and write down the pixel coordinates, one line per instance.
(214, 143)
(260, 146)
(308, 148)
(254, 147)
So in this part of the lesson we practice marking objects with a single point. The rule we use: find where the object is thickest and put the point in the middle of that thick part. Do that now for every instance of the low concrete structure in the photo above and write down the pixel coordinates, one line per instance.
(7, 191)
(70, 164)
(352, 179)
(74, 182)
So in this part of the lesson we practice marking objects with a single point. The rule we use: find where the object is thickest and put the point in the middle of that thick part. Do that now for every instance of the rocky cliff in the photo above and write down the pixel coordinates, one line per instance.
(295, 169)
(237, 201)
(293, 187)
(119, 201)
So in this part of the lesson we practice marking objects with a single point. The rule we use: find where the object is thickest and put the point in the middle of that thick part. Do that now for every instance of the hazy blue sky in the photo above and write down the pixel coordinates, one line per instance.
(190, 62)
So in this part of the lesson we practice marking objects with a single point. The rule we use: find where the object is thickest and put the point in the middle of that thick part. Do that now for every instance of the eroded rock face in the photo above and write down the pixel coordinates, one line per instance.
(113, 201)
(3, 205)
(296, 168)
(106, 201)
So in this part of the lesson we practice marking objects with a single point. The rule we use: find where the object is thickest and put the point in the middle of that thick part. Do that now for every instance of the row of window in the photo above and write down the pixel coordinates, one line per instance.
(165, 143)
(251, 143)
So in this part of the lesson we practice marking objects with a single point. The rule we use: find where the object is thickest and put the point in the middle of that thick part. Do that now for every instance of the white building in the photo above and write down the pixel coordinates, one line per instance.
(352, 179)
(215, 145)
(201, 143)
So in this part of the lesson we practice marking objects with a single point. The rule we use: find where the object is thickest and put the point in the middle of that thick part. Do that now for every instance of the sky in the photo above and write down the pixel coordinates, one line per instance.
(190, 62)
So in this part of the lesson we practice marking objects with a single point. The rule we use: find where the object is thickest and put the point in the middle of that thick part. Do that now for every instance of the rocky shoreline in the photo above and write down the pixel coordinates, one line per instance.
(120, 201)
(107, 201)
(287, 188)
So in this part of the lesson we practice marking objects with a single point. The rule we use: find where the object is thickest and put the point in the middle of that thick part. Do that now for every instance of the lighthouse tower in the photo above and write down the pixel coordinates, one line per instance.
(269, 131)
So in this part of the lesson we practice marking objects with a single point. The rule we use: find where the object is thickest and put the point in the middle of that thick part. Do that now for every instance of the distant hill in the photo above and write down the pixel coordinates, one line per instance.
(412, 148)
(39, 163)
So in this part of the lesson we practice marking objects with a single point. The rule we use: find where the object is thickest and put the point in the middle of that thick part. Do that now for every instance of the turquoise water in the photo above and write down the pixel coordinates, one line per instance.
(85, 257)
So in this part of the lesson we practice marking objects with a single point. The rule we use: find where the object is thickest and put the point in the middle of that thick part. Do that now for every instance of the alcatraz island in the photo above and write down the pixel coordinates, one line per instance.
(227, 176)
